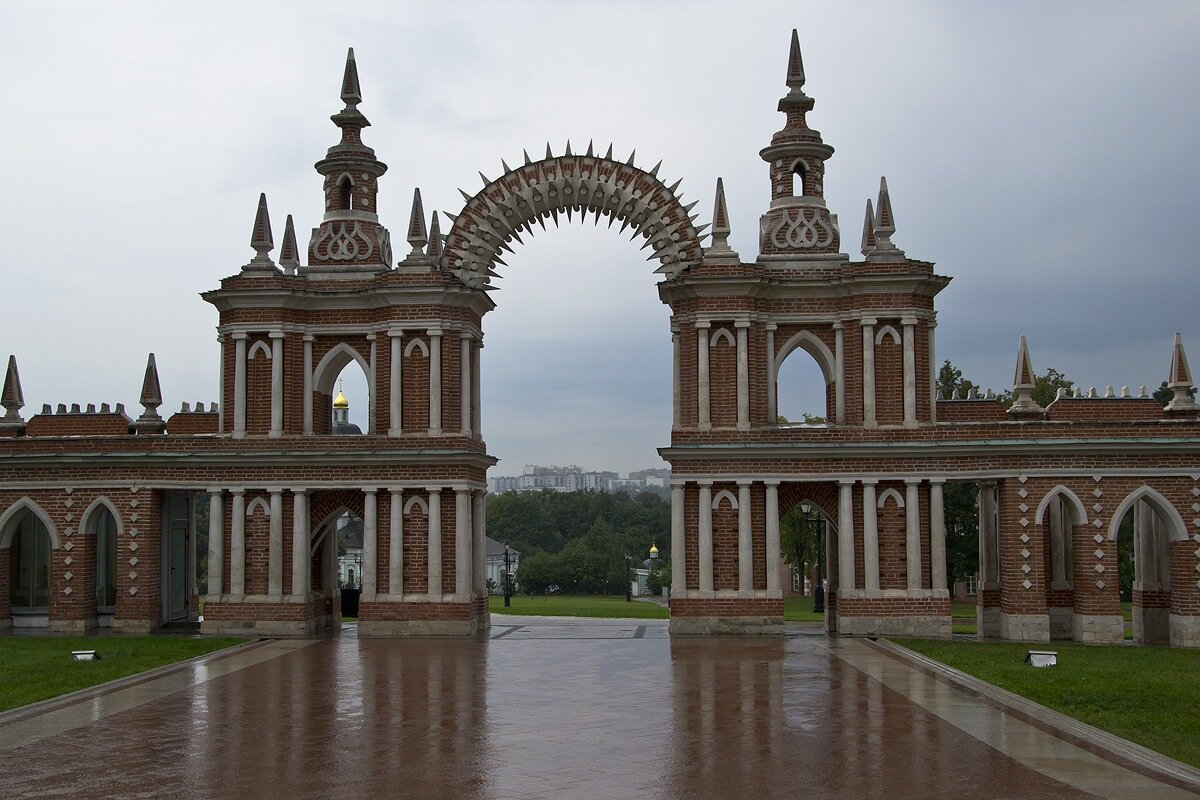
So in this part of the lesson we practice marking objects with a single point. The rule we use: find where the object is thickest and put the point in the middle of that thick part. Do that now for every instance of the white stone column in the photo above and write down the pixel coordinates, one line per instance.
(839, 369)
(745, 550)
(435, 543)
(237, 543)
(870, 536)
(301, 540)
(307, 400)
(275, 546)
(370, 551)
(276, 383)
(462, 543)
(743, 375)
(989, 561)
(216, 541)
(772, 387)
(239, 385)
(396, 383)
(678, 551)
(396, 543)
(464, 377)
(937, 535)
(703, 419)
(868, 376)
(910, 371)
(479, 543)
(476, 424)
(221, 384)
(676, 376)
(372, 383)
(435, 381)
(912, 532)
(773, 550)
(704, 518)
(845, 535)
(933, 370)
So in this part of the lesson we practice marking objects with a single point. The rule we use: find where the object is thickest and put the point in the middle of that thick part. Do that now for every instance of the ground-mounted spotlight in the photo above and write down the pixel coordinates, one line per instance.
(85, 655)
(1042, 658)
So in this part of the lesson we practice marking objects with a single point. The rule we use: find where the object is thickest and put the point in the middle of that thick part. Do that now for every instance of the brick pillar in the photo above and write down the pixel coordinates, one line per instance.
(704, 519)
(870, 537)
(1024, 616)
(435, 543)
(396, 544)
(396, 383)
(216, 542)
(370, 544)
(301, 538)
(678, 553)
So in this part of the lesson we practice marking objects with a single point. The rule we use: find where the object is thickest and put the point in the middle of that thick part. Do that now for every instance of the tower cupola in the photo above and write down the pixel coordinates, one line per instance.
(350, 235)
(797, 225)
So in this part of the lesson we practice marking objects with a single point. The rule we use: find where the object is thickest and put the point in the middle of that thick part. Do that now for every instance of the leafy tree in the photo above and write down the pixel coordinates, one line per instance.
(962, 529)
(538, 572)
(798, 537)
(950, 381)
(1164, 394)
(1045, 388)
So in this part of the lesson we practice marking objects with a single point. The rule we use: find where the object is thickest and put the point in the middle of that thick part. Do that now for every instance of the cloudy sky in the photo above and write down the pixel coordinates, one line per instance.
(1041, 154)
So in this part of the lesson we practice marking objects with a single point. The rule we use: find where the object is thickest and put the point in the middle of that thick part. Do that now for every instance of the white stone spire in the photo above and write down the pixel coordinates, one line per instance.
(1180, 380)
(1024, 382)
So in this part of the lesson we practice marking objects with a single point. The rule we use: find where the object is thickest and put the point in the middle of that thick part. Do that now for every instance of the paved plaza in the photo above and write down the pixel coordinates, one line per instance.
(550, 708)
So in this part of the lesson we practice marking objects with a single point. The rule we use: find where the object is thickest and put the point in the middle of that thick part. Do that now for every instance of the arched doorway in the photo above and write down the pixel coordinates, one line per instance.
(28, 538)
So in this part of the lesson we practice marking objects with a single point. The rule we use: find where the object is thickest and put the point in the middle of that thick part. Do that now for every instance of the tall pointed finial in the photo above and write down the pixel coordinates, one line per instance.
(416, 226)
(289, 254)
(434, 250)
(1024, 382)
(795, 69)
(1180, 380)
(351, 93)
(261, 239)
(151, 399)
(13, 398)
(885, 226)
(720, 223)
(868, 235)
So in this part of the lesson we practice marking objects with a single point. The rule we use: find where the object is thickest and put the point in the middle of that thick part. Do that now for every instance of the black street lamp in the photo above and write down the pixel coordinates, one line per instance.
(628, 578)
(507, 576)
(819, 589)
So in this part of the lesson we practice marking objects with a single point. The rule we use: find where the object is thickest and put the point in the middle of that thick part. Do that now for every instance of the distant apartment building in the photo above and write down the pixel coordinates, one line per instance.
(538, 478)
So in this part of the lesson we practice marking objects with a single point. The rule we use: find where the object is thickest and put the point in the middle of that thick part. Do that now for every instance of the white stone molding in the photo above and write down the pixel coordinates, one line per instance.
(930, 325)
(705, 543)
(845, 531)
(332, 364)
(476, 422)
(772, 379)
(723, 496)
(937, 536)
(868, 376)
(396, 385)
(416, 345)
(256, 505)
(912, 533)
(216, 541)
(276, 383)
(839, 372)
(721, 334)
(85, 519)
(703, 398)
(890, 494)
(370, 550)
(870, 537)
(237, 543)
(1070, 498)
(307, 400)
(7, 528)
(889, 332)
(301, 537)
(416, 501)
(1168, 514)
(989, 536)
(221, 384)
(678, 554)
(239, 385)
(745, 549)
(910, 372)
(463, 567)
(743, 376)
(772, 535)
(479, 543)
(464, 393)
(396, 543)
(434, 551)
(372, 372)
(259, 347)
(435, 382)
(275, 546)
(676, 376)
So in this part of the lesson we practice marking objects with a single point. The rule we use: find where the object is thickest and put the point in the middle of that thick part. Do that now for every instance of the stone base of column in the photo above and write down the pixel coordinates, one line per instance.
(879, 615)
(387, 618)
(134, 625)
(1025, 627)
(1185, 630)
(73, 626)
(1151, 625)
(910, 625)
(267, 616)
(1062, 622)
(1098, 628)
(737, 616)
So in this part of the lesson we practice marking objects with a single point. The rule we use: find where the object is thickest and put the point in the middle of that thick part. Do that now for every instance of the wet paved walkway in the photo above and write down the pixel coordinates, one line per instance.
(547, 708)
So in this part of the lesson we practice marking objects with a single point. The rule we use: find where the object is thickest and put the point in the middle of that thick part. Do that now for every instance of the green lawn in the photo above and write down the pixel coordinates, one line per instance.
(36, 668)
(799, 609)
(578, 606)
(1144, 694)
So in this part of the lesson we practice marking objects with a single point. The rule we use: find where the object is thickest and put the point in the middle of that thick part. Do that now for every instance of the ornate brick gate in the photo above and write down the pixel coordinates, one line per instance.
(100, 513)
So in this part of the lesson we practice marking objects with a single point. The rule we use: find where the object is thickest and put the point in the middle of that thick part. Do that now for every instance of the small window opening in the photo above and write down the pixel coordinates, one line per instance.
(798, 180)
(345, 194)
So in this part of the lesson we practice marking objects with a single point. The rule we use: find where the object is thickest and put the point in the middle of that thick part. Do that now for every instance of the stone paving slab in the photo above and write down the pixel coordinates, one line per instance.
(576, 711)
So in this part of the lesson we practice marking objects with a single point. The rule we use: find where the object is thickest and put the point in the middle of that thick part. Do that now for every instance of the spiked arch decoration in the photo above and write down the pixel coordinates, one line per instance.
(566, 184)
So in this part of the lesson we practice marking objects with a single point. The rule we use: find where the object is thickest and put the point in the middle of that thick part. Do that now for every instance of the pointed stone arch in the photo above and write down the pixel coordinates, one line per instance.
(258, 347)
(418, 502)
(12, 515)
(816, 348)
(581, 183)
(332, 364)
(722, 334)
(1177, 528)
(85, 519)
(722, 496)
(257, 504)
(416, 344)
(1070, 498)
(887, 331)
(890, 494)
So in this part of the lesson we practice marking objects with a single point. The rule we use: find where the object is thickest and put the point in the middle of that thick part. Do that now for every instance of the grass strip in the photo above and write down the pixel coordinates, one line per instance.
(578, 606)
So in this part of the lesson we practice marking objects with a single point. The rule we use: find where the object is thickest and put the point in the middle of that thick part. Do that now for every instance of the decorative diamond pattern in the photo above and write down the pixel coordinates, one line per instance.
(1099, 584)
(133, 561)
(133, 532)
(1026, 568)
(1023, 508)
(1024, 553)
(67, 590)
(1024, 522)
(133, 545)
(133, 517)
(68, 491)
(69, 517)
(68, 502)
(1099, 568)
(1098, 523)
(132, 575)
(1027, 584)
(1098, 539)
(69, 561)
(69, 546)
(133, 590)
(68, 575)
(1024, 538)
(1099, 553)
(134, 502)
(1196, 491)
(1195, 506)
(1097, 508)
(1022, 493)
(1096, 478)
(1022, 479)
(1097, 492)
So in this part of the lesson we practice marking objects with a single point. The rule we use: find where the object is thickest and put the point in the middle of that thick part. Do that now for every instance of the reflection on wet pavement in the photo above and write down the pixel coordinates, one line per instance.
(544, 709)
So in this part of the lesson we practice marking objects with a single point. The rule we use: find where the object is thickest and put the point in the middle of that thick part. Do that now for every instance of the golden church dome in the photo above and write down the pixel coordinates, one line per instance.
(340, 401)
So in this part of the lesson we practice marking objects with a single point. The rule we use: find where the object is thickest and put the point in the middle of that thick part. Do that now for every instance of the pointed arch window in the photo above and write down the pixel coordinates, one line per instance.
(345, 193)
(105, 530)
(799, 179)
(30, 566)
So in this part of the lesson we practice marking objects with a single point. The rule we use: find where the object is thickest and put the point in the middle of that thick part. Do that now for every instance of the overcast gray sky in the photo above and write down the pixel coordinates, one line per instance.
(1042, 154)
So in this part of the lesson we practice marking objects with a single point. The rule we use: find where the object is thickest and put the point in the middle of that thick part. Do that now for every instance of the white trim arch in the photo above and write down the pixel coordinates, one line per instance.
(721, 333)
(1167, 512)
(258, 502)
(887, 330)
(325, 526)
(893, 494)
(1072, 500)
(815, 348)
(416, 501)
(416, 344)
(332, 364)
(725, 494)
(85, 519)
(259, 346)
(7, 519)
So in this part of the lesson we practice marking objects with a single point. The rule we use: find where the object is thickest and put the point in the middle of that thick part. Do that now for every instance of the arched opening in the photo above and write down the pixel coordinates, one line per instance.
(1060, 513)
(343, 368)
(1143, 527)
(808, 543)
(804, 391)
(799, 177)
(345, 193)
(29, 576)
(102, 526)
(337, 563)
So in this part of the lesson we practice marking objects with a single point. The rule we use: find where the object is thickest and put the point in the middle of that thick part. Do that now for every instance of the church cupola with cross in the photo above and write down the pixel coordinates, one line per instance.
(350, 236)
(797, 225)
